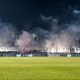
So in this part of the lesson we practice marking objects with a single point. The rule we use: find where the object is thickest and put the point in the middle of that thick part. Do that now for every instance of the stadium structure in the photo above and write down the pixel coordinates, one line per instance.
(14, 51)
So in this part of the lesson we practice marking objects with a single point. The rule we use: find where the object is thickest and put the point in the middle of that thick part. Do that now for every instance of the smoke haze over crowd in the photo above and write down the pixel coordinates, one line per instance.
(48, 26)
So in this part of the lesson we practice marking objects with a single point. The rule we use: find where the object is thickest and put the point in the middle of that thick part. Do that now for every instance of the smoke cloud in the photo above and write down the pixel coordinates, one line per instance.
(7, 34)
(48, 35)
(24, 41)
(62, 36)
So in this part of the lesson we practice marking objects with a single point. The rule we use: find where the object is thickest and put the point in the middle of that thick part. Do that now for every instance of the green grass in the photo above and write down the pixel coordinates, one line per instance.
(39, 68)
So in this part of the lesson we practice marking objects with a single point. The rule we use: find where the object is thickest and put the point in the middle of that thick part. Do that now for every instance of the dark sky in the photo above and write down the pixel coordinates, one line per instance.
(20, 12)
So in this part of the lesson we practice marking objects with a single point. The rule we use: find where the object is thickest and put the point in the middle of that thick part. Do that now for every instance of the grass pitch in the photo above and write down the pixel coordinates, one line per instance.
(39, 68)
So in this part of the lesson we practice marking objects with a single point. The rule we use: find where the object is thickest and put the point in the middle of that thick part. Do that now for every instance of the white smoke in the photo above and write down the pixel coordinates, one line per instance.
(25, 41)
(7, 34)
(54, 38)
(59, 39)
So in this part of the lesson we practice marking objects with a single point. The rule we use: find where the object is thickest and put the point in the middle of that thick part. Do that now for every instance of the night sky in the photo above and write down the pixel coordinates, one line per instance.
(21, 12)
